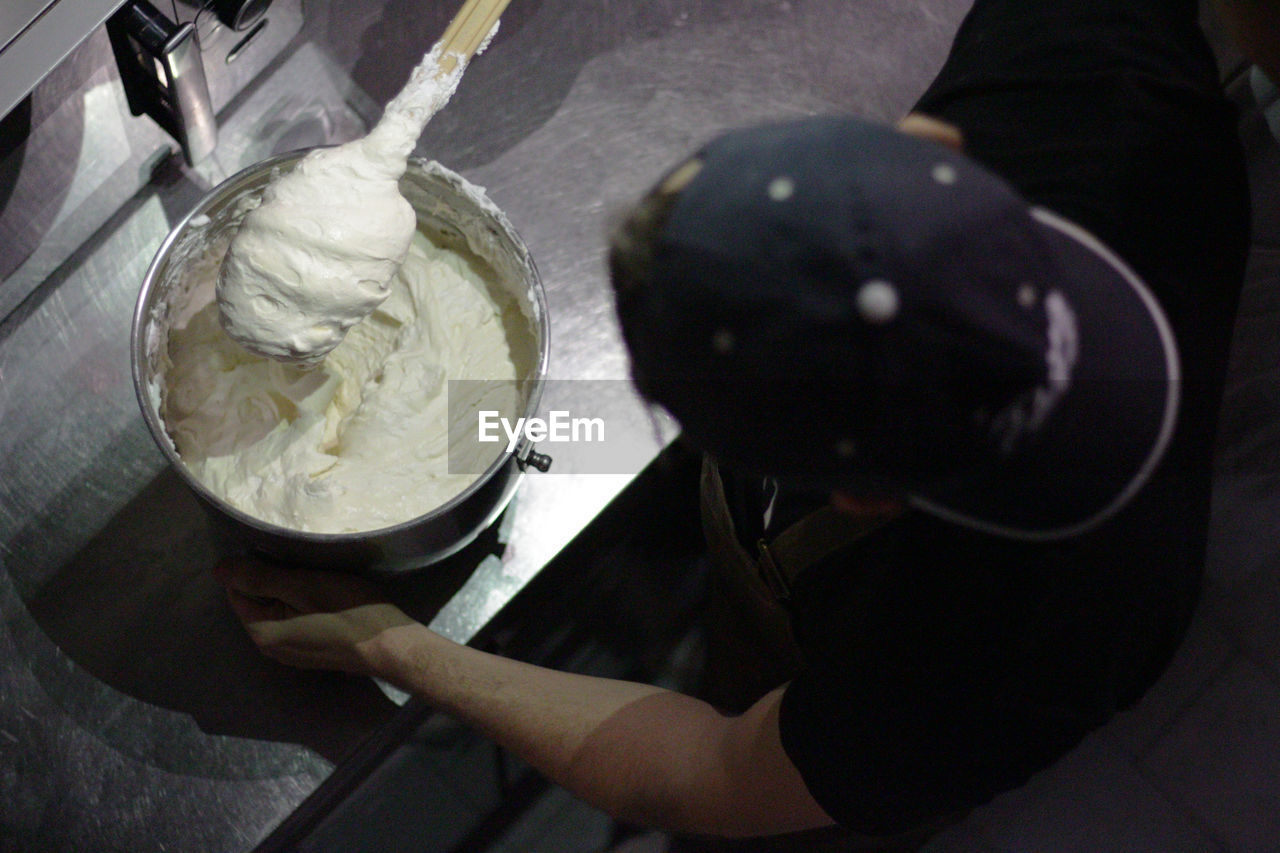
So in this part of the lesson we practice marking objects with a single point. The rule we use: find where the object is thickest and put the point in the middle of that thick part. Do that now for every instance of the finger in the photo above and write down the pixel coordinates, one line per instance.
(251, 609)
(255, 578)
(305, 590)
(300, 642)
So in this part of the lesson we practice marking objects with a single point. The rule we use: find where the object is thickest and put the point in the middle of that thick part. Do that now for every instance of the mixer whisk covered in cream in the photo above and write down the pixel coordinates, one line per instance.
(317, 256)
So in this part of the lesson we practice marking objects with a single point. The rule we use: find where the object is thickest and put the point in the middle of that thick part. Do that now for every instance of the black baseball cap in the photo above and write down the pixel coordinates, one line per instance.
(840, 305)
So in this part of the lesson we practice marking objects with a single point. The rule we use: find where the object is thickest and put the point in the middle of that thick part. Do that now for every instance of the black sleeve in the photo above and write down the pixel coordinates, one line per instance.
(943, 666)
(921, 751)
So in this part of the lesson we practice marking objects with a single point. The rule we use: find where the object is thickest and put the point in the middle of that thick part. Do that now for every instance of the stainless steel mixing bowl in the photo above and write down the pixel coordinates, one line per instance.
(449, 210)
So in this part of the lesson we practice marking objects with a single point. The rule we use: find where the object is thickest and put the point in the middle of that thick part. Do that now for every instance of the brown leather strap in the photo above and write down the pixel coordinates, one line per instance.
(717, 521)
(810, 540)
(804, 543)
(750, 645)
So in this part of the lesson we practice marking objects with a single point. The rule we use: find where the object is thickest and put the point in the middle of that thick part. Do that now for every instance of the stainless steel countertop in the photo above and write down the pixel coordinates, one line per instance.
(35, 35)
(133, 710)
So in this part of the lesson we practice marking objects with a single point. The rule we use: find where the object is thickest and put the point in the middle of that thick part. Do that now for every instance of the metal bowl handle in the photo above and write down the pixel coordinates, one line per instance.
(527, 457)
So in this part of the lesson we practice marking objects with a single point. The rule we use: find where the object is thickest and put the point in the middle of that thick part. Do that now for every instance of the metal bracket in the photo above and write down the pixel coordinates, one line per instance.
(527, 457)
(163, 75)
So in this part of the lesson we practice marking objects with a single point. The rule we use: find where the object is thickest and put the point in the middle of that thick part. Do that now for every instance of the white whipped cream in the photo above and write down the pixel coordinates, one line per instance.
(360, 442)
(316, 257)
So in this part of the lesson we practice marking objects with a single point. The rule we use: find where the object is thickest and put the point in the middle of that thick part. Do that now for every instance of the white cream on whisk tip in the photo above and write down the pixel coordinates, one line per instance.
(318, 254)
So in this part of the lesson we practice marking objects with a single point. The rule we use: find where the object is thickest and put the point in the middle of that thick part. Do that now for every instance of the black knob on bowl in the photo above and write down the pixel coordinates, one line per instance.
(239, 14)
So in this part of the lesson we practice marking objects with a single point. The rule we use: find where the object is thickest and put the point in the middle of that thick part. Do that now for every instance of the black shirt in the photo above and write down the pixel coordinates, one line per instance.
(945, 665)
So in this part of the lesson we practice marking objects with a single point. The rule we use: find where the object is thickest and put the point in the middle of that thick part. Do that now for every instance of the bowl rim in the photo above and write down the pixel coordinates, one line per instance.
(155, 424)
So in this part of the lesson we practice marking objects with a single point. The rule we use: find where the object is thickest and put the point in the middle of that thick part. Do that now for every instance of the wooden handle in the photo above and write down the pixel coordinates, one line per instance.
(465, 33)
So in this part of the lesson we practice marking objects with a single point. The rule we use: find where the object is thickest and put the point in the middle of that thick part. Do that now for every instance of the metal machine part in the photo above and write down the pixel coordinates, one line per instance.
(72, 155)
(37, 35)
(240, 14)
(163, 75)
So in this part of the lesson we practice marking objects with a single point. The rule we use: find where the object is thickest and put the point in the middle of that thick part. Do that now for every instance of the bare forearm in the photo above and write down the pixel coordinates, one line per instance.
(546, 716)
(638, 752)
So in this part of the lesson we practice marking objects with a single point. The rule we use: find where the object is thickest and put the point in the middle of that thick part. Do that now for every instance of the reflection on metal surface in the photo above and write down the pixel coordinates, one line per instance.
(254, 50)
(35, 35)
(307, 101)
(17, 15)
(163, 75)
(239, 15)
(154, 696)
(241, 46)
(81, 156)
(56, 173)
(106, 587)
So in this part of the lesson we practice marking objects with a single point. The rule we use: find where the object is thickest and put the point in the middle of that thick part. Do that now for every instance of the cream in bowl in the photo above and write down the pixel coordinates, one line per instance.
(360, 442)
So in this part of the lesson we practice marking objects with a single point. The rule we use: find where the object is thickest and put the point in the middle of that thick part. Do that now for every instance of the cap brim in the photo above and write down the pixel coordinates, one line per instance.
(1114, 412)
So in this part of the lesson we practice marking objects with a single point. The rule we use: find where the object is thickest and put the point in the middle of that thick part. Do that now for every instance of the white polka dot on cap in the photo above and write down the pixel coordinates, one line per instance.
(944, 173)
(878, 301)
(1027, 296)
(781, 188)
